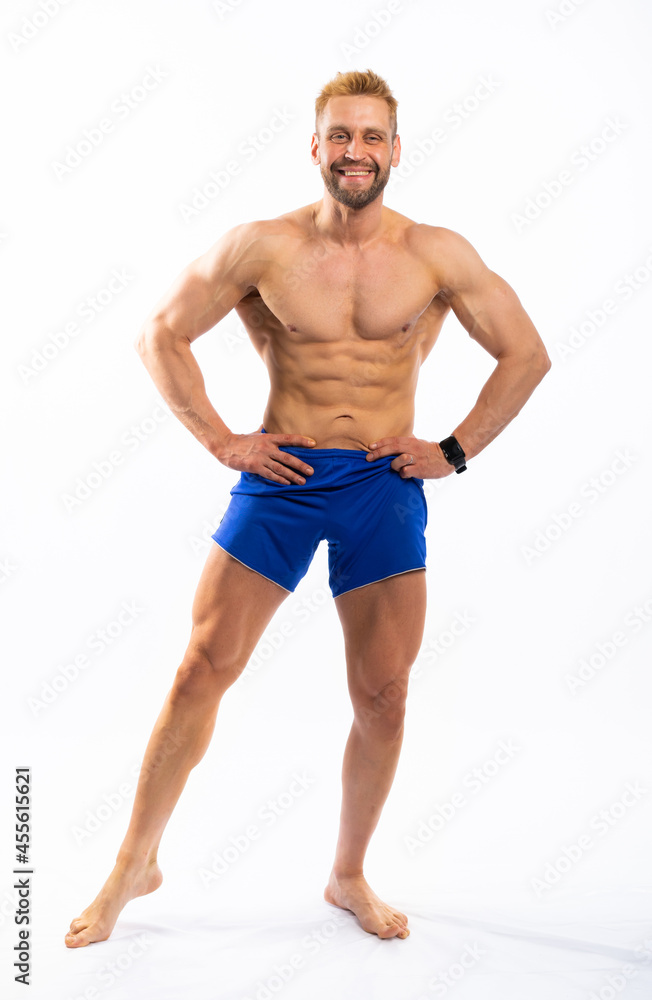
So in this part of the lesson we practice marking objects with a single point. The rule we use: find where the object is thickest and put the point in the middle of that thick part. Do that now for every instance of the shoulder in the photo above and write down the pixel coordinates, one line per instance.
(264, 236)
(243, 250)
(248, 234)
(454, 260)
(438, 239)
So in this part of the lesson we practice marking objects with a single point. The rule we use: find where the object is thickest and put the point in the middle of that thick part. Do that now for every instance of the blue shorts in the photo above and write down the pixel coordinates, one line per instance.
(373, 519)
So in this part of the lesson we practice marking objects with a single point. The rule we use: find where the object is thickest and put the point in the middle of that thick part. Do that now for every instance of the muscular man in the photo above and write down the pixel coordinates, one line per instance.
(343, 299)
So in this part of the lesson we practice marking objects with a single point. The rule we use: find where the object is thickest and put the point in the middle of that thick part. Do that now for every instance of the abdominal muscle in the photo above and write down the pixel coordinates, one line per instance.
(350, 430)
(343, 358)
(340, 415)
(344, 393)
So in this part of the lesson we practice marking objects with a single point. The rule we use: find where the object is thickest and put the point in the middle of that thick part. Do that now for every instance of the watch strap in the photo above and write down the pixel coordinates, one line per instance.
(453, 453)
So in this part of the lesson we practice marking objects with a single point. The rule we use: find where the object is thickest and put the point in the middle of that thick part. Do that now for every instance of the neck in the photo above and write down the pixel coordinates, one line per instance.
(348, 225)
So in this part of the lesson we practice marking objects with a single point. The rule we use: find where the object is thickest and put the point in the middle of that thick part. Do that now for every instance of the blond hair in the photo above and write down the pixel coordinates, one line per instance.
(365, 83)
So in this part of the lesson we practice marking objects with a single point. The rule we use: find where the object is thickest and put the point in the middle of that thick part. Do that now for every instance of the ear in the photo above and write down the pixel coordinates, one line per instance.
(396, 153)
(314, 148)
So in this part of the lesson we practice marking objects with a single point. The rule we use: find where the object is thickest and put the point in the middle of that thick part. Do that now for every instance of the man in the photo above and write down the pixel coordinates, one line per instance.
(343, 299)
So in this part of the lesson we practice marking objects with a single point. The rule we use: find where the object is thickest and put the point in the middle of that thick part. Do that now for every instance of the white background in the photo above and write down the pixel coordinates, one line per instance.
(541, 588)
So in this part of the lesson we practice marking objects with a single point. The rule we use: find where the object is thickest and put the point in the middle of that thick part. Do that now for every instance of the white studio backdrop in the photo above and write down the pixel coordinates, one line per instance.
(135, 134)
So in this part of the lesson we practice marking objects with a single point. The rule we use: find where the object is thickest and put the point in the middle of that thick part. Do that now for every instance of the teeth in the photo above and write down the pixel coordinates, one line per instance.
(356, 173)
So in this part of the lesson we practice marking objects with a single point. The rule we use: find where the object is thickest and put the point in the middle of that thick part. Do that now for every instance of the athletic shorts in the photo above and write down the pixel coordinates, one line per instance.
(374, 521)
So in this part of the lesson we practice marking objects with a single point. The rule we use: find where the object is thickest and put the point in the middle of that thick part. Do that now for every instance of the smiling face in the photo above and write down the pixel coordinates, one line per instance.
(355, 149)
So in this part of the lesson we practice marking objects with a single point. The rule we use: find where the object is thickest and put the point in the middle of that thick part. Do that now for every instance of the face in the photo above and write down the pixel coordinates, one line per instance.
(354, 149)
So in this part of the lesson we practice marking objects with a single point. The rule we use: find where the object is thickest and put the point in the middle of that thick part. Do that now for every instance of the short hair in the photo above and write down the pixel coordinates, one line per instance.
(365, 83)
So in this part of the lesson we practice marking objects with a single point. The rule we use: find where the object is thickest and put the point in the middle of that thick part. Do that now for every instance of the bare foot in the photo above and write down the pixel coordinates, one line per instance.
(352, 892)
(98, 920)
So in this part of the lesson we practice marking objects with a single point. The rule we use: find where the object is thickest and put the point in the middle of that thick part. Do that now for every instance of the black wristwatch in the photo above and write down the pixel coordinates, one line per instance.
(453, 453)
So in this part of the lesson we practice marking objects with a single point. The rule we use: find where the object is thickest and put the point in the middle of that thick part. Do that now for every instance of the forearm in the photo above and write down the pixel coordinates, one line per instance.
(503, 395)
(177, 376)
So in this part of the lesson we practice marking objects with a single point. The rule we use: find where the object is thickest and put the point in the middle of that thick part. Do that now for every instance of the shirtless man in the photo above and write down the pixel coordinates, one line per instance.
(343, 299)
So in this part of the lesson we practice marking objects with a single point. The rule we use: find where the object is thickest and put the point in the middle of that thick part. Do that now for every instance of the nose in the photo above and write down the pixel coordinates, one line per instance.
(354, 149)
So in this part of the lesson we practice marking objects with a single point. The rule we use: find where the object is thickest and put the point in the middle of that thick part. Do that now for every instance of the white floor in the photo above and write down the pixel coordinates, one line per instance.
(584, 946)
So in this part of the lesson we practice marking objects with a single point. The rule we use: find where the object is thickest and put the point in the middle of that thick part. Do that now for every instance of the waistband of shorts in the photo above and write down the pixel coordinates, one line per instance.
(324, 452)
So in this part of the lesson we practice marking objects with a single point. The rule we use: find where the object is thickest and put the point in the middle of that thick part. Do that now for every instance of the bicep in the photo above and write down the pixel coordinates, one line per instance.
(484, 303)
(207, 289)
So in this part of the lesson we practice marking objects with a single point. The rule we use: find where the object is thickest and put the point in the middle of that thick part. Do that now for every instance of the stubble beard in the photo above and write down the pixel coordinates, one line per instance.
(349, 197)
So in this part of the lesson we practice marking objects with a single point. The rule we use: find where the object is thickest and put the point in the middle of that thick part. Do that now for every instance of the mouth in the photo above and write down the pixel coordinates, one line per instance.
(366, 172)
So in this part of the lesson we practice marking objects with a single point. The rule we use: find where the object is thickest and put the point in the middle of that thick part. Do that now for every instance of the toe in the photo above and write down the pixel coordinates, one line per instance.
(391, 930)
(86, 937)
(82, 934)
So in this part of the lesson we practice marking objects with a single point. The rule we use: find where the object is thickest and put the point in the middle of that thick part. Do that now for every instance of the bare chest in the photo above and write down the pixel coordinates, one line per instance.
(329, 294)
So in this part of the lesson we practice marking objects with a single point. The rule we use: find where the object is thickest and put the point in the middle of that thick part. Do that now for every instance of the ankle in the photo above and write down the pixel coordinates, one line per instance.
(130, 861)
(342, 874)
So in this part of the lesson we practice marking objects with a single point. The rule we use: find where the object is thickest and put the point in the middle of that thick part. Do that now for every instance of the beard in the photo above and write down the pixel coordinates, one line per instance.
(350, 197)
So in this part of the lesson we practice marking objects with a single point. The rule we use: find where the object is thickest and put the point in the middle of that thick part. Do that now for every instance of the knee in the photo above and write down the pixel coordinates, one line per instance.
(383, 711)
(203, 673)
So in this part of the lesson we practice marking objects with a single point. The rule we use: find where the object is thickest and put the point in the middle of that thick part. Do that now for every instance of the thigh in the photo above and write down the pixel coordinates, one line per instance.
(383, 627)
(232, 606)
(376, 527)
(271, 528)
